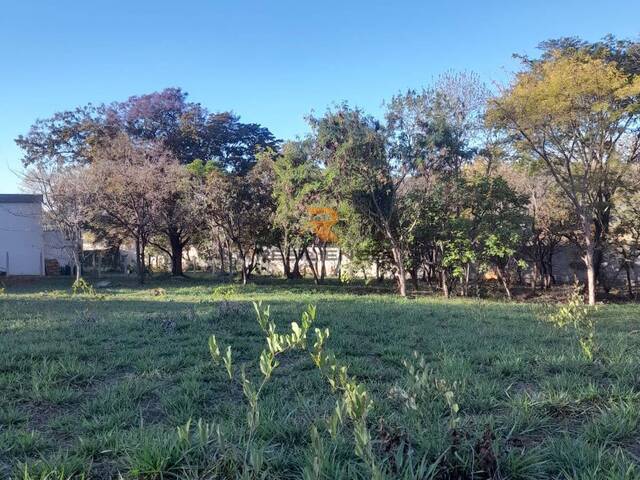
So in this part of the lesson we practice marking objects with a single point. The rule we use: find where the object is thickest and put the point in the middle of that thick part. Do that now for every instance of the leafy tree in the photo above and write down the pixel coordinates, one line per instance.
(179, 216)
(439, 128)
(433, 134)
(576, 113)
(625, 54)
(190, 132)
(352, 146)
(126, 181)
(242, 208)
(296, 185)
(186, 129)
(549, 220)
(625, 236)
(496, 224)
(66, 138)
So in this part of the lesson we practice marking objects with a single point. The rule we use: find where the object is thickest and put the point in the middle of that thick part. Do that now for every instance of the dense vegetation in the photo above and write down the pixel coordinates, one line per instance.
(97, 384)
(454, 182)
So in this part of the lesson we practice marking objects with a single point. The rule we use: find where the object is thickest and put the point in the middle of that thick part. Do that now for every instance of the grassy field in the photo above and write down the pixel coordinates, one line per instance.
(96, 386)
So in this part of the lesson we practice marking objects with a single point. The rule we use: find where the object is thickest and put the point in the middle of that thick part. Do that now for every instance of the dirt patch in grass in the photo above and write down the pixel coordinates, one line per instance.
(40, 414)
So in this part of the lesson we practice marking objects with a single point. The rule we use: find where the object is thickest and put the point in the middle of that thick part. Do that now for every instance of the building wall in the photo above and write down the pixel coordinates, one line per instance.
(21, 239)
(56, 247)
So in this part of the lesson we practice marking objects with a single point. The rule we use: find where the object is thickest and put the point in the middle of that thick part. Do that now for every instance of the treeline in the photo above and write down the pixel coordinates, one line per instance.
(455, 181)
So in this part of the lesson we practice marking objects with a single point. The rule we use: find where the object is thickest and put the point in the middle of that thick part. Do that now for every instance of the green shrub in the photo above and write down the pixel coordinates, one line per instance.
(82, 286)
(354, 402)
(579, 316)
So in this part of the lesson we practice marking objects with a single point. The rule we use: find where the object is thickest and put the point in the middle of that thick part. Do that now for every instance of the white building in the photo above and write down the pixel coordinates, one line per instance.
(24, 244)
(21, 235)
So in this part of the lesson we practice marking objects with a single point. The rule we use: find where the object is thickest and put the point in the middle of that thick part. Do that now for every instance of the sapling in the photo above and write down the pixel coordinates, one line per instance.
(354, 402)
(579, 316)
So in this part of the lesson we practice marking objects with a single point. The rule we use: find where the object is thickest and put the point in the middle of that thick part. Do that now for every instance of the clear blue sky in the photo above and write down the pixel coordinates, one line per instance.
(270, 61)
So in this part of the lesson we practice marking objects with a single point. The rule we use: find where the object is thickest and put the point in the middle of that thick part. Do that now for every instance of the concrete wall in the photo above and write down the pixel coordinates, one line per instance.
(56, 247)
(21, 239)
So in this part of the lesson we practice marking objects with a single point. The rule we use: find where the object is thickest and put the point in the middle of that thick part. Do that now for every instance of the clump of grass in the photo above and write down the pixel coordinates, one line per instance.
(223, 295)
(423, 385)
(224, 292)
(56, 467)
(85, 318)
(159, 292)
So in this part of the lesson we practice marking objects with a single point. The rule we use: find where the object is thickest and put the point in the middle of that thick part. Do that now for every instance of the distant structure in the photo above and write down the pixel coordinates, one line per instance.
(24, 242)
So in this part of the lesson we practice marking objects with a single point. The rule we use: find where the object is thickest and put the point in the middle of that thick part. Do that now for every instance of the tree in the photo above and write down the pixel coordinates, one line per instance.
(234, 145)
(66, 207)
(66, 138)
(186, 129)
(242, 208)
(624, 53)
(626, 231)
(439, 128)
(496, 216)
(179, 215)
(296, 184)
(549, 223)
(353, 147)
(574, 112)
(433, 134)
(126, 181)
(191, 133)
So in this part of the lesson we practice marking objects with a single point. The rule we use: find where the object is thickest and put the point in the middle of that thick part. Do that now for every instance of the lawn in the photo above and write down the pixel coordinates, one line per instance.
(96, 386)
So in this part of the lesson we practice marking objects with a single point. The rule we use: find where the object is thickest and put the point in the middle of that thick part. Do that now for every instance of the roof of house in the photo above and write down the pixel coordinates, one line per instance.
(20, 198)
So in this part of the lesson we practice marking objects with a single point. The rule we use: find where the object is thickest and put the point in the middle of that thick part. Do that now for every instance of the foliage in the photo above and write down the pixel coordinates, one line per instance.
(242, 208)
(423, 384)
(576, 113)
(83, 287)
(436, 129)
(224, 291)
(577, 315)
(297, 183)
(354, 402)
(352, 146)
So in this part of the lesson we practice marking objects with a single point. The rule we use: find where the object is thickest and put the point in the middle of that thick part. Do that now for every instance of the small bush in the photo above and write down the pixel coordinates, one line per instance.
(579, 316)
(82, 286)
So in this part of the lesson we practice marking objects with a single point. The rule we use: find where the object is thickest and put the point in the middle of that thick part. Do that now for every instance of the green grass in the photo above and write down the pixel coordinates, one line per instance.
(97, 386)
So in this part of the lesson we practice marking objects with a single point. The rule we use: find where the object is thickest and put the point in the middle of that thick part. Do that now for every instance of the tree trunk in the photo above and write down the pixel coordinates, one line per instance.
(243, 268)
(230, 260)
(339, 263)
(295, 272)
(140, 261)
(627, 269)
(177, 247)
(467, 278)
(221, 254)
(323, 261)
(413, 273)
(312, 266)
(589, 260)
(503, 280)
(285, 253)
(76, 262)
(400, 274)
(445, 283)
